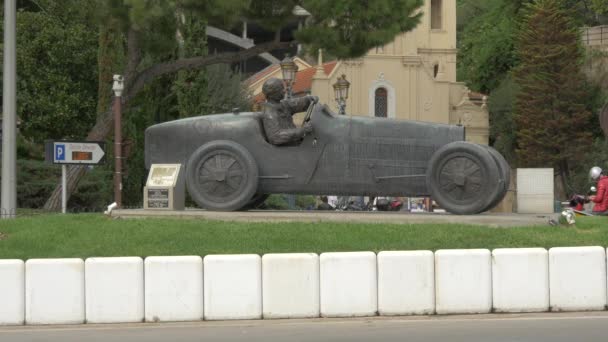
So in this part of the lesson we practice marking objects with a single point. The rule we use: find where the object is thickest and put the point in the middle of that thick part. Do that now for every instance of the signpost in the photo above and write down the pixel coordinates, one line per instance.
(73, 153)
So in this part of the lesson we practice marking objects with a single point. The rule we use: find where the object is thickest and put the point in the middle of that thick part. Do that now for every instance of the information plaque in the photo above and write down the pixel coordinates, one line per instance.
(165, 188)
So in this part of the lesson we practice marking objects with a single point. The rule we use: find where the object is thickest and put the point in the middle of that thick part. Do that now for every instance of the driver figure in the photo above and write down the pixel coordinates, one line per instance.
(277, 114)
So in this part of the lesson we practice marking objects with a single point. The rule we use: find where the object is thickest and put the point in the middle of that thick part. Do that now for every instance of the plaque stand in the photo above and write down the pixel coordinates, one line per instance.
(165, 187)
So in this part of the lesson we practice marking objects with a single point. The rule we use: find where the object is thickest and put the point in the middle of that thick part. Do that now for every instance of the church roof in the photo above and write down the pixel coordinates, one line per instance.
(303, 82)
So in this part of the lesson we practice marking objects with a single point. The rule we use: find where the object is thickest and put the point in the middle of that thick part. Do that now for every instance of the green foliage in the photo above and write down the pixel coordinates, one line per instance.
(37, 179)
(502, 126)
(349, 28)
(57, 76)
(551, 115)
(486, 45)
(600, 6)
(279, 202)
(191, 85)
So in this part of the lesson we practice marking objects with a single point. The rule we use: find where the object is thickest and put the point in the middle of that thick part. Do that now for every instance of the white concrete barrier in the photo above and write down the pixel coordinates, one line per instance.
(406, 283)
(12, 292)
(54, 291)
(290, 284)
(114, 290)
(233, 287)
(520, 280)
(173, 288)
(577, 278)
(463, 281)
(348, 284)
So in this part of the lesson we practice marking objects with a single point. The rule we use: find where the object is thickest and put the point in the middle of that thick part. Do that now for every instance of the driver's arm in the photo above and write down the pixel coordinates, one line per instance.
(300, 104)
(280, 136)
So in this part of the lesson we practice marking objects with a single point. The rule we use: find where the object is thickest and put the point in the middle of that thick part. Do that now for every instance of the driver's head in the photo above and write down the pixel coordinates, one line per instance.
(273, 89)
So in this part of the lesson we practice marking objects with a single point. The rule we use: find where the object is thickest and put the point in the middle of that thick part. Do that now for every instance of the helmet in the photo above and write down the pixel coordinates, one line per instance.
(595, 173)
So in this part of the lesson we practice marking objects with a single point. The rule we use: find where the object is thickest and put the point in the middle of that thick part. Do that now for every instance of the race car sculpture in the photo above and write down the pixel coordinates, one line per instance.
(231, 166)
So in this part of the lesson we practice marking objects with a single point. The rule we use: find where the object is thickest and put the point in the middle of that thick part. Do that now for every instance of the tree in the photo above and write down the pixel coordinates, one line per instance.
(57, 76)
(552, 121)
(345, 28)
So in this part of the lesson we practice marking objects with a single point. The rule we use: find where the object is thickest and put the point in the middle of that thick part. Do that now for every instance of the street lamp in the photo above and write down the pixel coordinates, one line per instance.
(289, 69)
(118, 88)
(341, 92)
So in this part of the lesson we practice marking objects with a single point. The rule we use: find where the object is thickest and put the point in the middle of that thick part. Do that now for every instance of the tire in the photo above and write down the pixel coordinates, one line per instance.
(222, 176)
(505, 174)
(463, 178)
(256, 201)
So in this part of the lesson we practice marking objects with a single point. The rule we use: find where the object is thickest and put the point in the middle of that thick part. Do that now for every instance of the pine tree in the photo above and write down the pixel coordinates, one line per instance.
(553, 124)
(191, 85)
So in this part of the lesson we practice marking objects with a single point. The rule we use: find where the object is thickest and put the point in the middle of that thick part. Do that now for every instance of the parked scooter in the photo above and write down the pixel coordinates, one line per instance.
(577, 202)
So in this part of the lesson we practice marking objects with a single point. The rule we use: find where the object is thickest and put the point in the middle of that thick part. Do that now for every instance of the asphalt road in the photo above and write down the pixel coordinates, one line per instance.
(587, 327)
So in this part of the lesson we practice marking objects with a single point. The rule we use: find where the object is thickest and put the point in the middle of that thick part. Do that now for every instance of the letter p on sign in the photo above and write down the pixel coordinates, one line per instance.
(59, 152)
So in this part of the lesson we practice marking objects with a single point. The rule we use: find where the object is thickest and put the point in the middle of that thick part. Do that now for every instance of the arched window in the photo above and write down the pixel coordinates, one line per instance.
(435, 70)
(381, 103)
(436, 14)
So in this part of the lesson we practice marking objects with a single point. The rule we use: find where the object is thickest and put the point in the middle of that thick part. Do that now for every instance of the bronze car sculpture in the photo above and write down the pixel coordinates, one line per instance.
(231, 166)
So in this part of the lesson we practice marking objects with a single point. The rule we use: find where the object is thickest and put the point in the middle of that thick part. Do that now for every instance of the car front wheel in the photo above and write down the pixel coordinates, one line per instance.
(463, 178)
(222, 176)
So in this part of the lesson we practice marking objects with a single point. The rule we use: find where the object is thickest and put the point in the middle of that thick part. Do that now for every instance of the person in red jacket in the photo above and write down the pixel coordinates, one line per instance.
(601, 197)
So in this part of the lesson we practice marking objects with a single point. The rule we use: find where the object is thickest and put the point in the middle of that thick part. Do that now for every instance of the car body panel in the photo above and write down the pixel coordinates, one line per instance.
(345, 155)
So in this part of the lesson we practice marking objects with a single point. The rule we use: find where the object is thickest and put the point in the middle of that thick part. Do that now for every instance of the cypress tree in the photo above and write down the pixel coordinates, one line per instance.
(553, 124)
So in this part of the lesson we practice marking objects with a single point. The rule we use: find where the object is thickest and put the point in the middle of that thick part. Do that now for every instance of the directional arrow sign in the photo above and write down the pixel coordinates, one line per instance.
(75, 152)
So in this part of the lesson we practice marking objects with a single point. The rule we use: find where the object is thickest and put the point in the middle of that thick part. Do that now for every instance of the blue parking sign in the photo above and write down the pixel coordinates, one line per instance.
(59, 152)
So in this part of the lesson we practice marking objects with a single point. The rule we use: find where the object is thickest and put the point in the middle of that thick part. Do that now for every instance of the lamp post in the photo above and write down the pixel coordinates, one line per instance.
(341, 92)
(289, 69)
(9, 116)
(118, 87)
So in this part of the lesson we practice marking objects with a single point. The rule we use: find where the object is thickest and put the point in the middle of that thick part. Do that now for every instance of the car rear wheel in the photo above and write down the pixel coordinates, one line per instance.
(463, 178)
(505, 176)
(222, 175)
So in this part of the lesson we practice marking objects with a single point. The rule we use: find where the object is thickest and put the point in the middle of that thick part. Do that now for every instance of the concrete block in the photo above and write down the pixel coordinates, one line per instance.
(349, 284)
(577, 278)
(173, 288)
(233, 287)
(290, 285)
(463, 281)
(535, 191)
(114, 290)
(520, 280)
(12, 292)
(406, 283)
(54, 291)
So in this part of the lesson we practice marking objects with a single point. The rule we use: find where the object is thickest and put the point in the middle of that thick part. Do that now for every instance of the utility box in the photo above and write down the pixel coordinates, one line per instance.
(535, 192)
(165, 187)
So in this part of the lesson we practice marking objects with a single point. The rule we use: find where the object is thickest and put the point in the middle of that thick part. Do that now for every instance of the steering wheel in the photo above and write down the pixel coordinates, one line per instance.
(308, 113)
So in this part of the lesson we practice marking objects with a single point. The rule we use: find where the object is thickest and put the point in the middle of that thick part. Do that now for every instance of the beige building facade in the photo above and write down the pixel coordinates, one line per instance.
(412, 78)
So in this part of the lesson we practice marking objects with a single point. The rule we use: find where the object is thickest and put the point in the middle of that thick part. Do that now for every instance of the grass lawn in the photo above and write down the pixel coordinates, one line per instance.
(86, 235)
